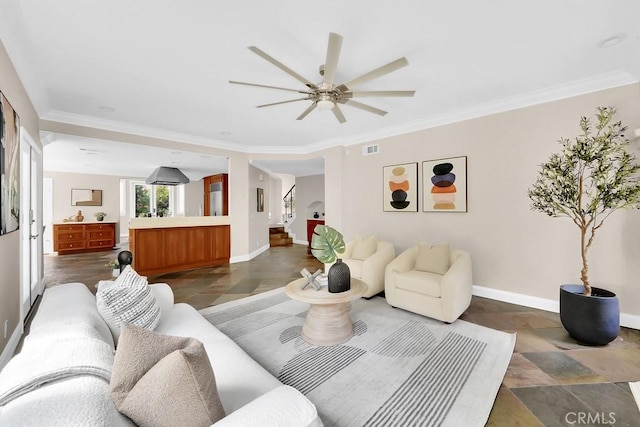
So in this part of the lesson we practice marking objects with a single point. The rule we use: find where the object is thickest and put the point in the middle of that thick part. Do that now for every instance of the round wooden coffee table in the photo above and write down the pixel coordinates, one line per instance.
(327, 321)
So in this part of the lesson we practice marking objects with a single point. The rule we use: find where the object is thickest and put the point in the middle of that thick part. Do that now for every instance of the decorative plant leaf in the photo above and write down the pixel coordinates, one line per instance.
(326, 244)
(590, 178)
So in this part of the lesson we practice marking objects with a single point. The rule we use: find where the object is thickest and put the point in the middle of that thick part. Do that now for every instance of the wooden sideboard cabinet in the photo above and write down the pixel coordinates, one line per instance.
(77, 237)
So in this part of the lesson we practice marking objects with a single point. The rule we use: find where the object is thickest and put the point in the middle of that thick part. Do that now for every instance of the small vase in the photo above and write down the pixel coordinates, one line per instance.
(316, 215)
(79, 216)
(100, 218)
(339, 277)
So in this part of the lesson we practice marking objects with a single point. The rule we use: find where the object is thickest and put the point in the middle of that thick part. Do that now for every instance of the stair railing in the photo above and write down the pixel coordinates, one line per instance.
(289, 201)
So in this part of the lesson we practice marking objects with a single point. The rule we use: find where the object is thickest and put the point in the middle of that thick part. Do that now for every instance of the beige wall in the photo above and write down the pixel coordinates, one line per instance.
(63, 182)
(513, 249)
(11, 87)
(258, 221)
(194, 198)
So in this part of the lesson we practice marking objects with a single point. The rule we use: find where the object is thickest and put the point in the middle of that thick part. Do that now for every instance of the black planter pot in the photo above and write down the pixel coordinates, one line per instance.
(339, 277)
(594, 319)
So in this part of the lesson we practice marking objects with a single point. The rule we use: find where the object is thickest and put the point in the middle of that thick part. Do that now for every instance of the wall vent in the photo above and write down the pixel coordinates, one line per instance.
(370, 149)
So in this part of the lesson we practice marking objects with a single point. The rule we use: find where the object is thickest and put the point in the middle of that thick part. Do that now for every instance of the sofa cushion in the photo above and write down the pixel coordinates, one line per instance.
(161, 380)
(363, 248)
(128, 300)
(420, 282)
(355, 267)
(433, 258)
(69, 305)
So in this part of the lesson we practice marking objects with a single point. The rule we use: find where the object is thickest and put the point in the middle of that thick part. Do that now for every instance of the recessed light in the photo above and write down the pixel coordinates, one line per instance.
(175, 163)
(612, 41)
(176, 153)
(225, 133)
(106, 109)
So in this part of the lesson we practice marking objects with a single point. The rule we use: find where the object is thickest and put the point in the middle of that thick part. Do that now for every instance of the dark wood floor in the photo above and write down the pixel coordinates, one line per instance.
(551, 380)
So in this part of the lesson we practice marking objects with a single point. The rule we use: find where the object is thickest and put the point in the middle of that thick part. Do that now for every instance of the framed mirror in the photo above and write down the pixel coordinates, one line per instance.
(81, 197)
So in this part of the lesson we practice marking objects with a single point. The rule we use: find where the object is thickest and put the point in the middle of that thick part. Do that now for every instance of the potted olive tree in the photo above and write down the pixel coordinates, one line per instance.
(327, 244)
(591, 177)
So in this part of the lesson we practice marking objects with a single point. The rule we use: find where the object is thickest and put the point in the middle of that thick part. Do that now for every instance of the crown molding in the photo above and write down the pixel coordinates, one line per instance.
(555, 93)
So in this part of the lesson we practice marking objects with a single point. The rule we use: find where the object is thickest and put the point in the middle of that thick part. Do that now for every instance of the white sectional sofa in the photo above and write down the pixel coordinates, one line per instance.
(61, 375)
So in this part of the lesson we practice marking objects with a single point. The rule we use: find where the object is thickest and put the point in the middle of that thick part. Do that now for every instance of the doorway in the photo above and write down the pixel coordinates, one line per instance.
(31, 230)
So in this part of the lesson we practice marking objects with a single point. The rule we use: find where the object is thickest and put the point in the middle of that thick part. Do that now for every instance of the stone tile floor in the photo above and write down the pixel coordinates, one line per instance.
(551, 380)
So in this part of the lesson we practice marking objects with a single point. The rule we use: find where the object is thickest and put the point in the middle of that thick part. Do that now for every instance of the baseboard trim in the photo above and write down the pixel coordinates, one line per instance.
(300, 242)
(248, 257)
(12, 344)
(626, 320)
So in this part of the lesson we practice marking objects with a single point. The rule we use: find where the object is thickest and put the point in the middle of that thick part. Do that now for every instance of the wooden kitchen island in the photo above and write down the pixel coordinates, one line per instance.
(168, 245)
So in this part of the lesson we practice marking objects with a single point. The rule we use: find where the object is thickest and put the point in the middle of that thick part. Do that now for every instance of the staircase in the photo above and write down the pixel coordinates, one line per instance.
(279, 237)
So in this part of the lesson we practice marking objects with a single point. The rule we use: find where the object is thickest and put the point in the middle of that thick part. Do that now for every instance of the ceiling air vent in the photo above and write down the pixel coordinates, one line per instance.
(370, 149)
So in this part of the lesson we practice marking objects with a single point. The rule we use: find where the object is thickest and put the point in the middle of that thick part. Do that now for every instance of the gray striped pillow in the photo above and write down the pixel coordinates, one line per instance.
(128, 301)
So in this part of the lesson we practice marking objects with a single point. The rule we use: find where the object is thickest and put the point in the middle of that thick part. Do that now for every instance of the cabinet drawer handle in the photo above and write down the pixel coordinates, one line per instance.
(70, 246)
(70, 235)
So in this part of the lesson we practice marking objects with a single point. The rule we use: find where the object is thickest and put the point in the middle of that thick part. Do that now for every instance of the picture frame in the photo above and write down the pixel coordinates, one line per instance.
(445, 185)
(84, 197)
(260, 200)
(400, 187)
(9, 167)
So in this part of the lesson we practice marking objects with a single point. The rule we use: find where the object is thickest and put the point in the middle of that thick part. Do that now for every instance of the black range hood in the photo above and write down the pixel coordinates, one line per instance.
(167, 176)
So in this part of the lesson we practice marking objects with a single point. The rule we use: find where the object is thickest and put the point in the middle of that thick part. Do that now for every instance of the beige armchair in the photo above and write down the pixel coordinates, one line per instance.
(434, 281)
(367, 259)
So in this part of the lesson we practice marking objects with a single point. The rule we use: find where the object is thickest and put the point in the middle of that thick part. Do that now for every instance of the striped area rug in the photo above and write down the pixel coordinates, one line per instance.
(399, 369)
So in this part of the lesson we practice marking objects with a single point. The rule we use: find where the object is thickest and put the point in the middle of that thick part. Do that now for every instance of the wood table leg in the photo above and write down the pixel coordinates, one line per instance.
(327, 324)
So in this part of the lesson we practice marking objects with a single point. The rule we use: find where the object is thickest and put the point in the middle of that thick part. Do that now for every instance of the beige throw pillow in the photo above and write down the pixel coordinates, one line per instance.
(160, 380)
(364, 248)
(433, 258)
(128, 300)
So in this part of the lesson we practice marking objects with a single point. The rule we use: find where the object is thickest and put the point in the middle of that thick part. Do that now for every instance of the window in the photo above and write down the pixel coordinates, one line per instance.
(151, 200)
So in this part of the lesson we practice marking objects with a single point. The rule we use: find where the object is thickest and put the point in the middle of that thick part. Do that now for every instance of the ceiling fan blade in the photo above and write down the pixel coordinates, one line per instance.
(266, 86)
(364, 107)
(382, 93)
(378, 72)
(333, 53)
(307, 111)
(283, 102)
(338, 113)
(280, 65)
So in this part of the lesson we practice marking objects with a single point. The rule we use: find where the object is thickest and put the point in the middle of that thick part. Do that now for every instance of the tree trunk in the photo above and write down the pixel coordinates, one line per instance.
(584, 273)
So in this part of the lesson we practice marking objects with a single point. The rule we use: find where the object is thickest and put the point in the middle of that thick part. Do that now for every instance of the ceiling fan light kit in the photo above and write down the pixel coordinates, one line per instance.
(326, 95)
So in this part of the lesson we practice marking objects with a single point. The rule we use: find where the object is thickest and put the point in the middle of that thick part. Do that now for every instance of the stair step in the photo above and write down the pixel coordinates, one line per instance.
(276, 230)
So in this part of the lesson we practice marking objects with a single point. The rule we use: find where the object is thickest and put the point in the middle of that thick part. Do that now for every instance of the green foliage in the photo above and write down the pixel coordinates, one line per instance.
(326, 244)
(99, 214)
(162, 200)
(591, 177)
(142, 201)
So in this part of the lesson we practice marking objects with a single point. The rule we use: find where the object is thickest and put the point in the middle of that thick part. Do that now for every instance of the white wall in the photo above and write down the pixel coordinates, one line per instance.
(310, 190)
(275, 199)
(513, 249)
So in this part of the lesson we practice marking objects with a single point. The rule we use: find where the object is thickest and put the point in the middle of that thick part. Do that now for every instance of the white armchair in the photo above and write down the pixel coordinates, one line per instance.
(367, 259)
(434, 281)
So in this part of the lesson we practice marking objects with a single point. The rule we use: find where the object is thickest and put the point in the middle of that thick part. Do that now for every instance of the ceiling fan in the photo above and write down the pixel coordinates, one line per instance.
(326, 95)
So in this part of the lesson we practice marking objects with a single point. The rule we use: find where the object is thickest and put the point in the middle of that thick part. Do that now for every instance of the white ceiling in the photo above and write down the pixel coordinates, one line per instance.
(161, 68)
